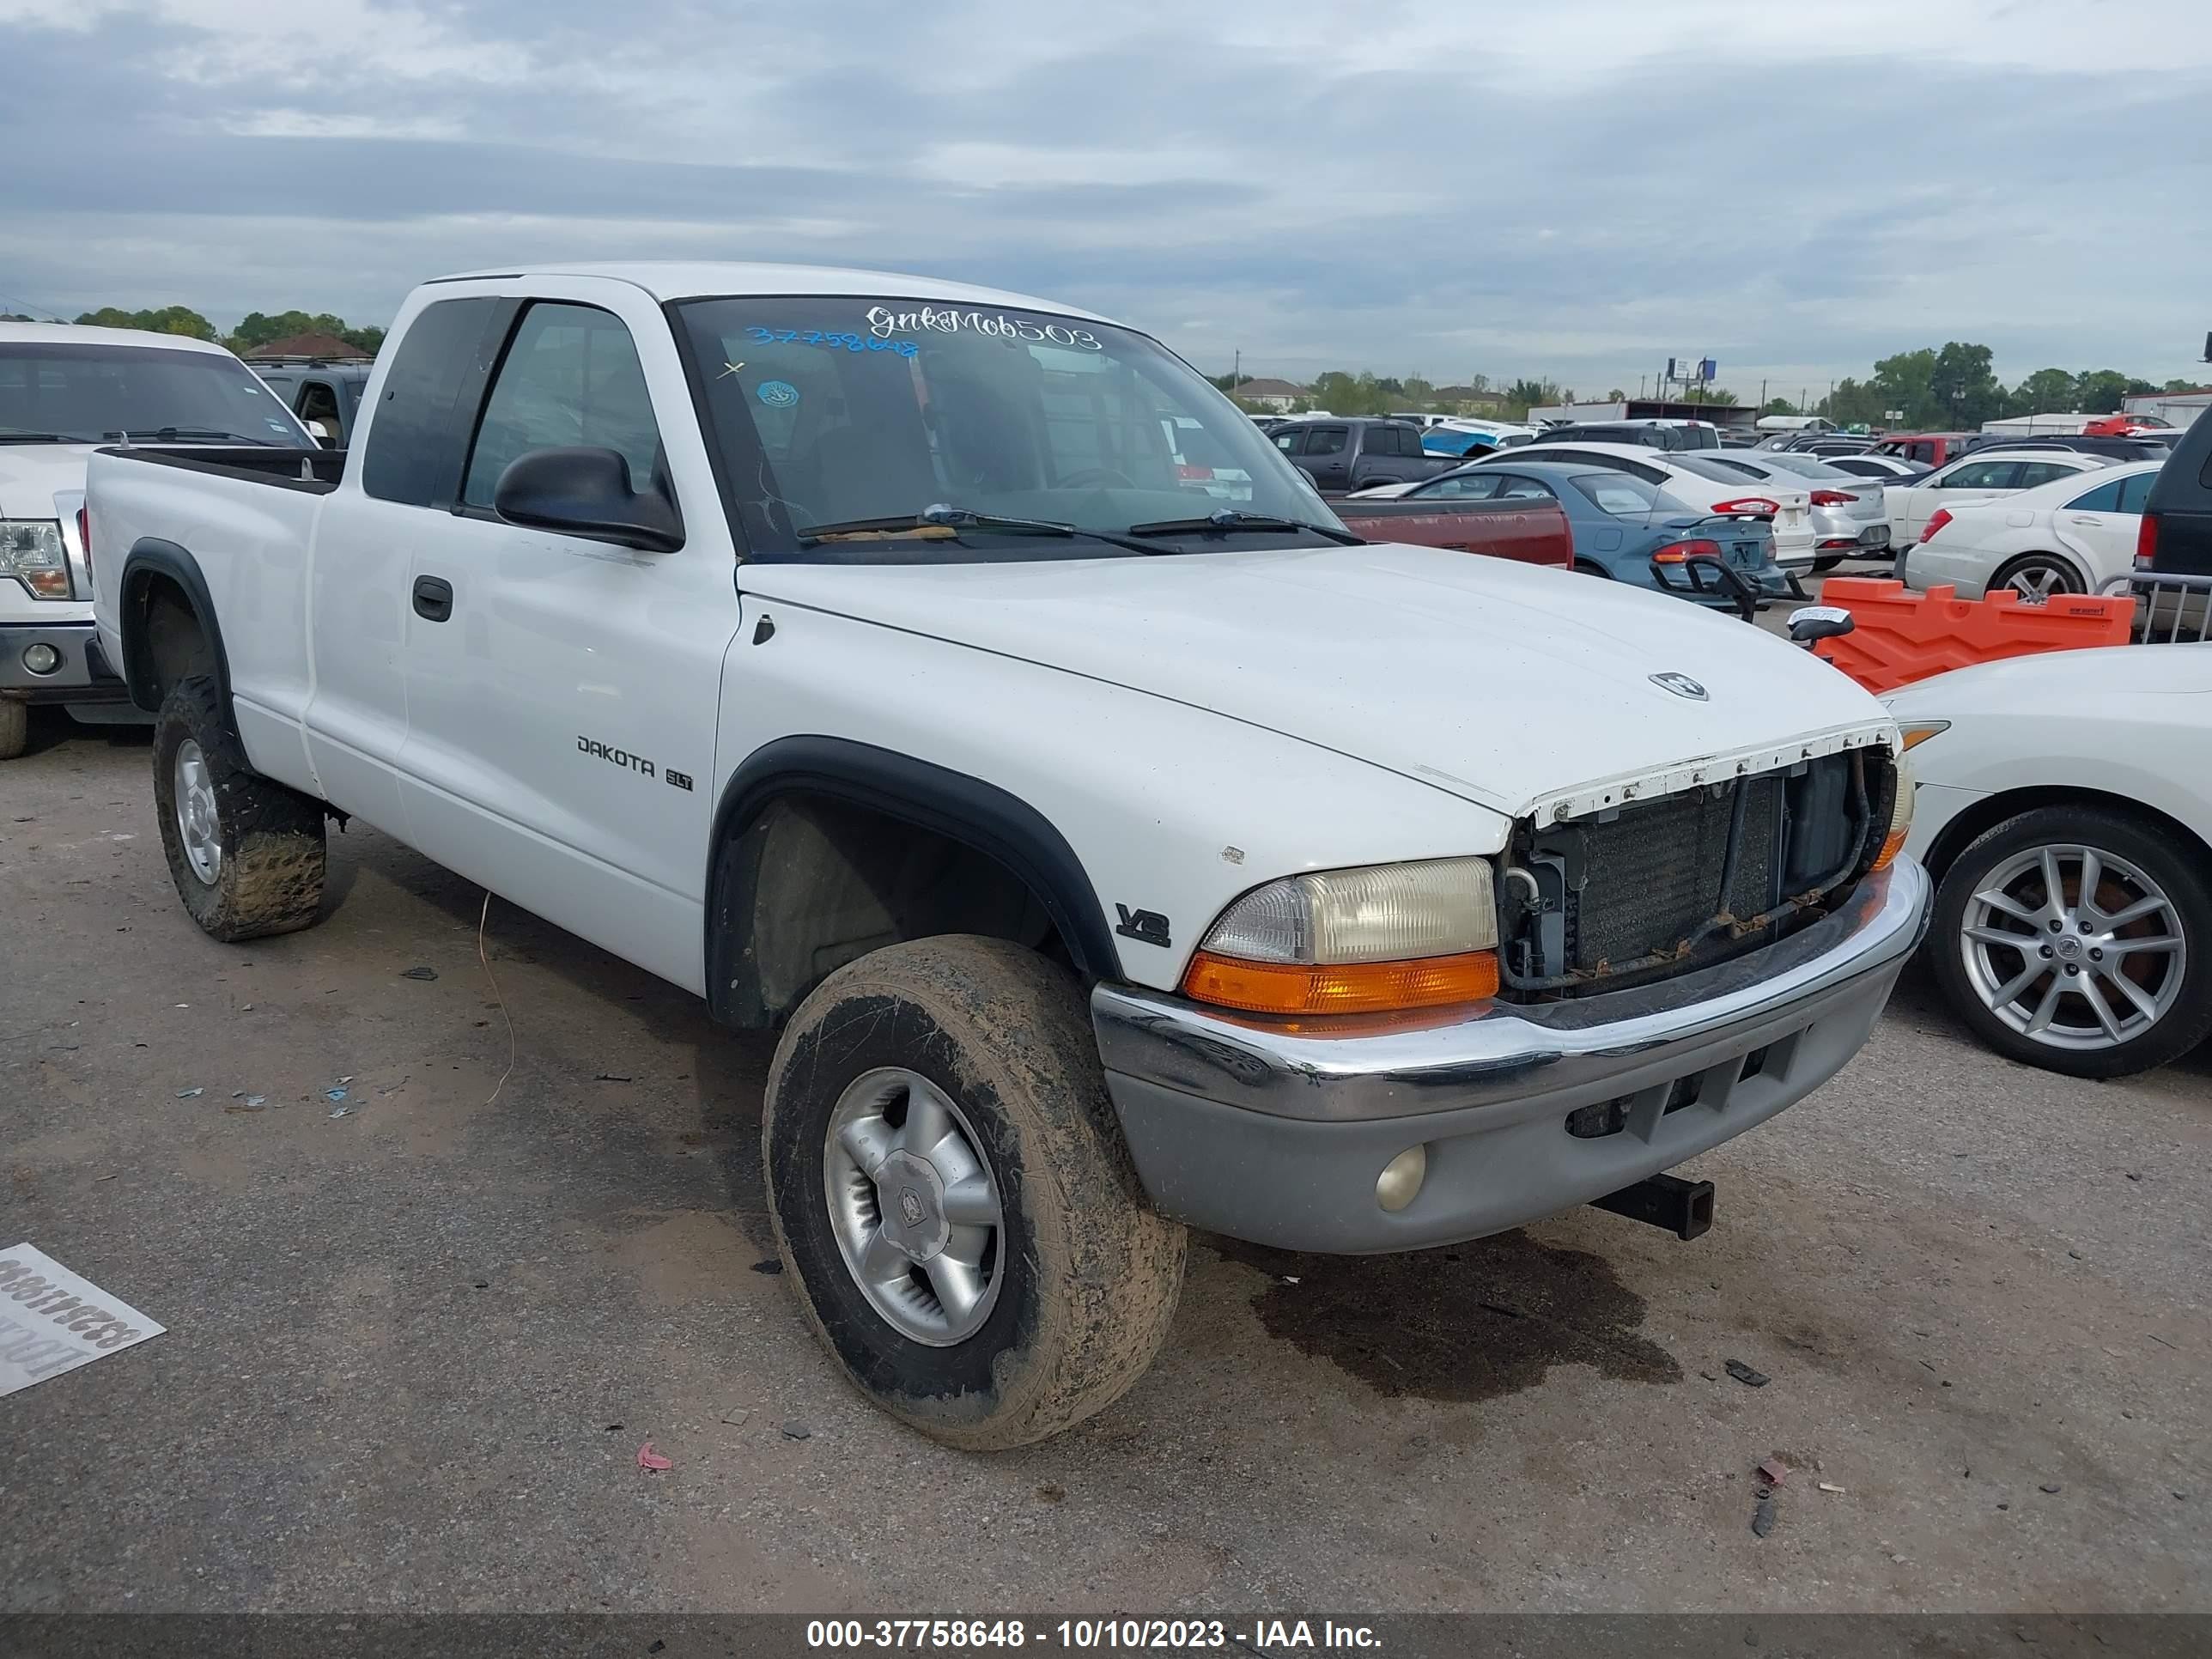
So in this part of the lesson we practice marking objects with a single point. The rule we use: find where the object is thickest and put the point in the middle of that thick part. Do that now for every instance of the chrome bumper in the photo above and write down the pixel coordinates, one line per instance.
(1276, 1133)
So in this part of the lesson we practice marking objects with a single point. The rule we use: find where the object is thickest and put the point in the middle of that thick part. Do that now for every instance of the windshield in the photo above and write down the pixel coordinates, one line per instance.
(96, 394)
(838, 412)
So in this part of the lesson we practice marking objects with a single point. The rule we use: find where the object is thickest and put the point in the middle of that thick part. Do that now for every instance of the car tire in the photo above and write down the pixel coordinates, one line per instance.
(14, 728)
(247, 854)
(1991, 985)
(1827, 561)
(981, 1343)
(2059, 576)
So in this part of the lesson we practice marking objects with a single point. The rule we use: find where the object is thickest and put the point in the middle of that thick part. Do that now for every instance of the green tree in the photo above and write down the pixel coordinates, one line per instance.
(2046, 392)
(2179, 386)
(170, 319)
(1778, 406)
(1964, 385)
(1616, 396)
(1708, 394)
(2099, 392)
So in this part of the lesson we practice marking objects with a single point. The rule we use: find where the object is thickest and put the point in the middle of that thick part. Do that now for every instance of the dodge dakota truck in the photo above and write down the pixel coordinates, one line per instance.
(66, 390)
(1111, 858)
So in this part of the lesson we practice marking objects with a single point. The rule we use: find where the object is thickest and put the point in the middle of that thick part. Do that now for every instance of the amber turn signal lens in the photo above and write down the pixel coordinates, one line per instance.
(1891, 845)
(1347, 988)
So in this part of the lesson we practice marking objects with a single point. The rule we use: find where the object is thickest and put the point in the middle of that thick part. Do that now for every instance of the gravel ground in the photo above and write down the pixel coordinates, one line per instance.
(413, 1351)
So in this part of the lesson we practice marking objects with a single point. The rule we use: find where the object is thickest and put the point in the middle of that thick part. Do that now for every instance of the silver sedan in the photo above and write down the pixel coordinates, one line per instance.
(1849, 520)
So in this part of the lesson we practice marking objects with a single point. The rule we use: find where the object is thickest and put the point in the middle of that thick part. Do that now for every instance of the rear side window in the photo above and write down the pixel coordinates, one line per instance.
(1981, 475)
(2135, 493)
(1514, 488)
(416, 447)
(2105, 498)
(571, 377)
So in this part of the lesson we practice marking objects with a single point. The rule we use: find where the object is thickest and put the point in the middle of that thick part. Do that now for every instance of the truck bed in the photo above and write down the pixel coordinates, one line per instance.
(1528, 532)
(317, 471)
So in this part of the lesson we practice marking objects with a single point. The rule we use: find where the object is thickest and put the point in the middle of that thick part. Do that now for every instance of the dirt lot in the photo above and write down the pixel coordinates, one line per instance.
(413, 1350)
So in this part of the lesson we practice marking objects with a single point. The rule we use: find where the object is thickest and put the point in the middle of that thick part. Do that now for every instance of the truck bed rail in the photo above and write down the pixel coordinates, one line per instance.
(315, 470)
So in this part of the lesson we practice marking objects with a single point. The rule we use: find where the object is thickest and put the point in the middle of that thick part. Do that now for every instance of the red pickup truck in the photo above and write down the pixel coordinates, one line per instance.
(1531, 531)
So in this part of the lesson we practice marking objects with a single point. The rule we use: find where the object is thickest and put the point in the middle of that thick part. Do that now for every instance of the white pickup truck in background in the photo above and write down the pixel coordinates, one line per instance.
(851, 650)
(65, 391)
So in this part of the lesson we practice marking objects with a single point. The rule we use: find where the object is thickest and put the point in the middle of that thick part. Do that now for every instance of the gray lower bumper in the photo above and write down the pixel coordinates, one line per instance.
(81, 676)
(1277, 1136)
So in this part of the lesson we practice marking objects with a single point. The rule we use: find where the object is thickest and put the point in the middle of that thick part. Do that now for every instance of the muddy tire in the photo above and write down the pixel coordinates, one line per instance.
(952, 1199)
(246, 853)
(14, 728)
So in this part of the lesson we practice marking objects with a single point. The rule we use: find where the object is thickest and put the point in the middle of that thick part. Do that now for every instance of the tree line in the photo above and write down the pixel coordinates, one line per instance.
(1953, 387)
(256, 328)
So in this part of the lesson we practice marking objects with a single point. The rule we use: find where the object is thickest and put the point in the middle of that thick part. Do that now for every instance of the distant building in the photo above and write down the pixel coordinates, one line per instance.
(2174, 407)
(1278, 395)
(324, 348)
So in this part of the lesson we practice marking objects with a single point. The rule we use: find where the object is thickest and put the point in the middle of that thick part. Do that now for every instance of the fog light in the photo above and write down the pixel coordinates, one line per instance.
(1399, 1183)
(42, 659)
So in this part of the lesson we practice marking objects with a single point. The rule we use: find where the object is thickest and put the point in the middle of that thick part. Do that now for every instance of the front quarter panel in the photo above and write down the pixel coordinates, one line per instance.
(1168, 808)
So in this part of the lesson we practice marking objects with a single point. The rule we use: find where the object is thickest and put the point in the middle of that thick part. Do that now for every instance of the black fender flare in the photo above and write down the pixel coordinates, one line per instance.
(980, 815)
(149, 556)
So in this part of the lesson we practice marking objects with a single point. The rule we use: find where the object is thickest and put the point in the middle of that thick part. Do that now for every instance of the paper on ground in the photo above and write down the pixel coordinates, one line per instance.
(52, 1320)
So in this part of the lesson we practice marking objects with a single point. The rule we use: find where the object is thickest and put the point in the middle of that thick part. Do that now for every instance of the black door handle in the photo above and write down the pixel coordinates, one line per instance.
(434, 598)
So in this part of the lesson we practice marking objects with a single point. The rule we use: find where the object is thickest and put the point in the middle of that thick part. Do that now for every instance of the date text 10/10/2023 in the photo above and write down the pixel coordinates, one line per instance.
(1087, 1635)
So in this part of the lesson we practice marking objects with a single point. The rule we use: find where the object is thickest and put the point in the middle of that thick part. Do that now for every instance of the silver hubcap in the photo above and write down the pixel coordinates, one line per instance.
(914, 1207)
(2073, 947)
(2039, 581)
(196, 819)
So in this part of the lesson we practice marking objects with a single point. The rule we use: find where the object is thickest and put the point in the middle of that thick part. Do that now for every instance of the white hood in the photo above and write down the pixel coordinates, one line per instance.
(31, 475)
(1508, 685)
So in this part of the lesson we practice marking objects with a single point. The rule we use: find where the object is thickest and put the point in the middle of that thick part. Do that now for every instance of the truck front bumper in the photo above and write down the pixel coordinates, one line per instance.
(80, 675)
(1278, 1133)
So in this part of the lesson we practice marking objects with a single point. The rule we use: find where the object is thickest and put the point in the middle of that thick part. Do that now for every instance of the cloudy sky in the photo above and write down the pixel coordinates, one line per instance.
(1572, 190)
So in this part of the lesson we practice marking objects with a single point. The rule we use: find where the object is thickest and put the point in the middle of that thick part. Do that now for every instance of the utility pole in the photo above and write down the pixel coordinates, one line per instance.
(1237, 369)
(1762, 397)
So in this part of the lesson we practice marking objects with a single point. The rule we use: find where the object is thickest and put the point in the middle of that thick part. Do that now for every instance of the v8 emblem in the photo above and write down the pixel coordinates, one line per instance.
(1146, 927)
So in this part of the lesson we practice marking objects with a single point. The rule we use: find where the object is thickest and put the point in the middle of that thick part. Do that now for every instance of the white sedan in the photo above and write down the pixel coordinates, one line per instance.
(2070, 536)
(1982, 475)
(2065, 809)
(1788, 510)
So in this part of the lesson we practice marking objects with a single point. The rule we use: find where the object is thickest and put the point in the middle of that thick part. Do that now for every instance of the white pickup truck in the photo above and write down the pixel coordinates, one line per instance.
(65, 391)
(851, 650)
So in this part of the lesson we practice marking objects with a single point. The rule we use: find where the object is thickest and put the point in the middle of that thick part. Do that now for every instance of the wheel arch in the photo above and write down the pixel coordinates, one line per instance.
(1984, 815)
(167, 622)
(867, 813)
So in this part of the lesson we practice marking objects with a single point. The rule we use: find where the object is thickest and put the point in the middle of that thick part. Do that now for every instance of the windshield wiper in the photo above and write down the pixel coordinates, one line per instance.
(1227, 518)
(8, 437)
(188, 434)
(955, 519)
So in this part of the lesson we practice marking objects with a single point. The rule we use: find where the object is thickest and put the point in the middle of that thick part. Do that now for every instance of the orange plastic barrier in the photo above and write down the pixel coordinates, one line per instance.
(1901, 636)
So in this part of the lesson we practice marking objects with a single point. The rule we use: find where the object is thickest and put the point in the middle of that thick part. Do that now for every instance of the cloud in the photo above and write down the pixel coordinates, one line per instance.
(1572, 190)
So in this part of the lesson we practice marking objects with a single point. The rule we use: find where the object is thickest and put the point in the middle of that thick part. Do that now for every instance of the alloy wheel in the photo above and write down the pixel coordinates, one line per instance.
(197, 825)
(914, 1207)
(2073, 947)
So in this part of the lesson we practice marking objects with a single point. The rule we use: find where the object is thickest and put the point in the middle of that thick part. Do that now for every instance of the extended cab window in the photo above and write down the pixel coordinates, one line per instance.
(415, 445)
(570, 377)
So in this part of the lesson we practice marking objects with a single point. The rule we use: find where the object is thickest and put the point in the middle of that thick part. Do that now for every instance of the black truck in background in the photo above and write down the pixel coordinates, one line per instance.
(1344, 455)
(2175, 535)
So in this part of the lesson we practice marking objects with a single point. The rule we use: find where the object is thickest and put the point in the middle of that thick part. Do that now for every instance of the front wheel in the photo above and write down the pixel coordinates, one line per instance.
(246, 854)
(952, 1199)
(2079, 940)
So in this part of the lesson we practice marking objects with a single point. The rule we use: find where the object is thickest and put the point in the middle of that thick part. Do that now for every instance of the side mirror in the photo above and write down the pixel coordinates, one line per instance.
(1813, 623)
(583, 491)
(319, 433)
